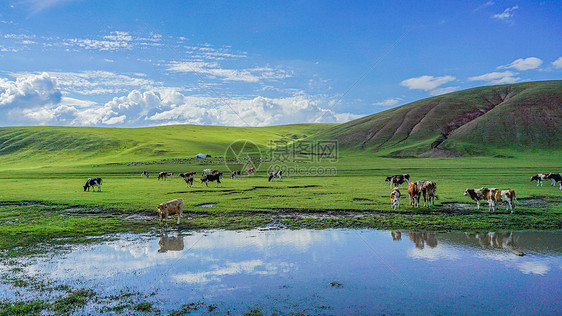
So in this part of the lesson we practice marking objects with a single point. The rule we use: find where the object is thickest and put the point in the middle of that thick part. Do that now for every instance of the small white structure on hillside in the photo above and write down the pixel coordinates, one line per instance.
(200, 155)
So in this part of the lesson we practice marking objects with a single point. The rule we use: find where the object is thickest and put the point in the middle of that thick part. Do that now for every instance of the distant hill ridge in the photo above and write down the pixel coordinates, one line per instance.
(476, 121)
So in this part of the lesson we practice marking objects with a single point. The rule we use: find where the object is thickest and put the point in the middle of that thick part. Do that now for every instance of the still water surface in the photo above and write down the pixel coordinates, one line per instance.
(326, 272)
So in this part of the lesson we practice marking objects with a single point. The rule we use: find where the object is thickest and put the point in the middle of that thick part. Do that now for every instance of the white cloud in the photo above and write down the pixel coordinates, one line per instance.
(524, 64)
(389, 102)
(28, 91)
(445, 90)
(100, 82)
(506, 15)
(426, 82)
(529, 267)
(497, 77)
(214, 70)
(485, 5)
(161, 106)
(557, 63)
(115, 41)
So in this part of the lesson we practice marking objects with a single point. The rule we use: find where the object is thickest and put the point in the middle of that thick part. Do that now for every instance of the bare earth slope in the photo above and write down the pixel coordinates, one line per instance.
(476, 121)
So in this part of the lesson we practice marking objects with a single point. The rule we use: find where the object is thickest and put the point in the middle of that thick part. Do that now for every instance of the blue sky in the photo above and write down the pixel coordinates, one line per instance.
(259, 63)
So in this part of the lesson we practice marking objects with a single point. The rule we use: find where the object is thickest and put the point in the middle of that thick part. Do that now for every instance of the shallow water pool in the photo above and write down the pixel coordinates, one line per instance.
(323, 271)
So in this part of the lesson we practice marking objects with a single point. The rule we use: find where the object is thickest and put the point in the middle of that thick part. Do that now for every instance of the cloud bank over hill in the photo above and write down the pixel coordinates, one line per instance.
(37, 100)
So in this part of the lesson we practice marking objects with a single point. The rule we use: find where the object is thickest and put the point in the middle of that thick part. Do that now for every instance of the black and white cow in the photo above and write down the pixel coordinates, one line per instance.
(555, 177)
(275, 175)
(212, 177)
(398, 179)
(91, 182)
(188, 181)
(145, 174)
(236, 174)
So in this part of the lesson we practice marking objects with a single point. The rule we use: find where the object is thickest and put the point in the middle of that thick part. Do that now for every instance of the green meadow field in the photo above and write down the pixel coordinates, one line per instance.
(44, 169)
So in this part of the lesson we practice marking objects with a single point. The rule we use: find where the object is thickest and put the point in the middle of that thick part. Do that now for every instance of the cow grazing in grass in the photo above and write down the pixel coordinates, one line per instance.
(414, 192)
(275, 175)
(163, 175)
(429, 191)
(236, 174)
(91, 182)
(539, 178)
(212, 177)
(169, 208)
(398, 179)
(188, 181)
(555, 177)
(250, 171)
(395, 198)
(494, 196)
(145, 174)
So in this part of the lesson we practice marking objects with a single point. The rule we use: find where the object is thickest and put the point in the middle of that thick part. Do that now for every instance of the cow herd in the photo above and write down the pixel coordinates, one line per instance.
(428, 190)
(416, 189)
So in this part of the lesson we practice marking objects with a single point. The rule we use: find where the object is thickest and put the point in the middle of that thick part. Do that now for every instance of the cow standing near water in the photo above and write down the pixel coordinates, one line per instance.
(395, 198)
(494, 196)
(169, 208)
(429, 191)
(91, 182)
(414, 192)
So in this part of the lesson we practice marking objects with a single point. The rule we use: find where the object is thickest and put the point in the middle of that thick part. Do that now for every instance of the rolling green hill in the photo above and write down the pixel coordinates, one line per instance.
(39, 146)
(479, 121)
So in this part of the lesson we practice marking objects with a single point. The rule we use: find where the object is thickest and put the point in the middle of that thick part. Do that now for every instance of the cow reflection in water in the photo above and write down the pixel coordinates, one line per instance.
(396, 235)
(170, 244)
(497, 240)
(422, 239)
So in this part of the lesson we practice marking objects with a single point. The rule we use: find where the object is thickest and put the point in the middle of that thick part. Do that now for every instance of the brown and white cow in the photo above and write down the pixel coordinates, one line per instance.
(539, 178)
(429, 191)
(477, 194)
(185, 175)
(395, 198)
(398, 179)
(209, 171)
(414, 192)
(250, 171)
(494, 196)
(169, 208)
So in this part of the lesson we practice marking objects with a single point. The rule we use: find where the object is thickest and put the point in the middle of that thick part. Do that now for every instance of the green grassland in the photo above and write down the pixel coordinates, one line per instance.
(43, 171)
